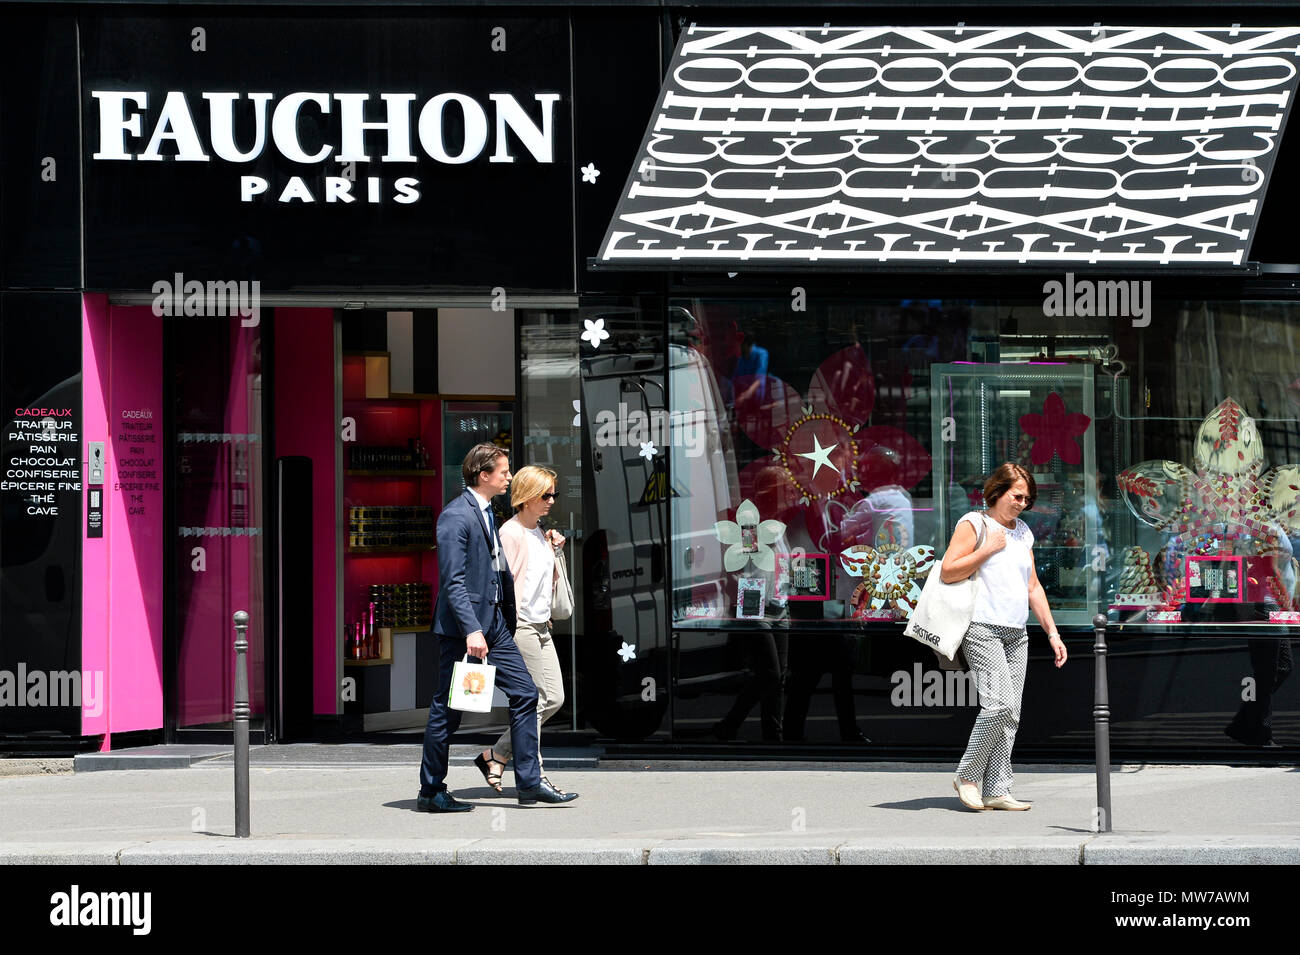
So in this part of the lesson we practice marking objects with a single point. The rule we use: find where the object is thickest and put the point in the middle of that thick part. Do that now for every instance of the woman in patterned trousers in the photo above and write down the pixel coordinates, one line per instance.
(996, 644)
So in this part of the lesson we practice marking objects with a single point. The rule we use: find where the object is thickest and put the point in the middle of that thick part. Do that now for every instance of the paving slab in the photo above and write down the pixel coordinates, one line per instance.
(56, 853)
(296, 852)
(964, 850)
(750, 852)
(1122, 849)
(554, 852)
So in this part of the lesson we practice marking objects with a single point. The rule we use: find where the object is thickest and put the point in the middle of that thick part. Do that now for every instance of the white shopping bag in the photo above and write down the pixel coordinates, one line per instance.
(471, 686)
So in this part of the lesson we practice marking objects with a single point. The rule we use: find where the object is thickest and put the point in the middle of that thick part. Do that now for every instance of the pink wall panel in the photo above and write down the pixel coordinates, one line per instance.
(305, 426)
(95, 363)
(122, 581)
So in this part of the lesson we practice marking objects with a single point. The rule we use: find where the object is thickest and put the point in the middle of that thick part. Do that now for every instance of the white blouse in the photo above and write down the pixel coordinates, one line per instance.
(1002, 598)
(533, 593)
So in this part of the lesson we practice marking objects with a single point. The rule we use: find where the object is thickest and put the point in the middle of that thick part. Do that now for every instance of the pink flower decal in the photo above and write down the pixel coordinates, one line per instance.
(824, 457)
(1055, 432)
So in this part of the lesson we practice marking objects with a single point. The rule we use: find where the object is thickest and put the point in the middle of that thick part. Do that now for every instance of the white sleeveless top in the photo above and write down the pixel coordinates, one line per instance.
(1003, 595)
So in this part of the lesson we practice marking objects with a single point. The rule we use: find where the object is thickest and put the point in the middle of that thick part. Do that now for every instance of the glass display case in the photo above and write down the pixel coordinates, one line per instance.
(1041, 416)
(465, 424)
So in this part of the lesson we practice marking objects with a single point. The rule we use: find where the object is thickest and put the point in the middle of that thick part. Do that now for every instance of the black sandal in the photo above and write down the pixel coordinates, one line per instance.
(485, 766)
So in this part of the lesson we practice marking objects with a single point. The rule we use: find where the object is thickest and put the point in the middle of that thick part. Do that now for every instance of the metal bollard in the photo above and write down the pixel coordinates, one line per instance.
(1101, 721)
(241, 724)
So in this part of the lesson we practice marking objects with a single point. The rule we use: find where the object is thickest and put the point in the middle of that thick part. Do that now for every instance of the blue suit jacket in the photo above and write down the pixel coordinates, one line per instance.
(465, 573)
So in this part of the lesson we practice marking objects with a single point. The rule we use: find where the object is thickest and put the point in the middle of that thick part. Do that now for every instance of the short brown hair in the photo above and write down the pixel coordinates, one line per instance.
(1003, 477)
(529, 484)
(481, 457)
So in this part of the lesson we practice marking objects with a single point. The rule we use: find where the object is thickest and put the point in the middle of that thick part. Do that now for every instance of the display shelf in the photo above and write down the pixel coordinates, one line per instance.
(389, 429)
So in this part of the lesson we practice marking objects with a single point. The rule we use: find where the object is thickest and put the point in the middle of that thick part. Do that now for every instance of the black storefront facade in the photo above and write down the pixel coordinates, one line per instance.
(760, 314)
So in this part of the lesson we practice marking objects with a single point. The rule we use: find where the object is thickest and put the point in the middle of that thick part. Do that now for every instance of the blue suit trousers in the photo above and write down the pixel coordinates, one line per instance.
(512, 676)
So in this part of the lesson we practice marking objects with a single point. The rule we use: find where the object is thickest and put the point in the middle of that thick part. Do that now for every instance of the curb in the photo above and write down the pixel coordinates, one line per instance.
(106, 762)
(1180, 850)
(1108, 850)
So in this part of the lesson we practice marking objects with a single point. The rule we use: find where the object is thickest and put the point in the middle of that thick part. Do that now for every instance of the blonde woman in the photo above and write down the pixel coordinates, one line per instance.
(996, 644)
(530, 553)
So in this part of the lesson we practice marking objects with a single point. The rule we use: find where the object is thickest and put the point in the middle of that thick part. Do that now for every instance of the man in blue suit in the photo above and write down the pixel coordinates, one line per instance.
(474, 591)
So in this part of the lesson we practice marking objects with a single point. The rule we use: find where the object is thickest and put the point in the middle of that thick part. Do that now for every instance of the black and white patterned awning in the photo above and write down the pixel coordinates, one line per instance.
(1010, 146)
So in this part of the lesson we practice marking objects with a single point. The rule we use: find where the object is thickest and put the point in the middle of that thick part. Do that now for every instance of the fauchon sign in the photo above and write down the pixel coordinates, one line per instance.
(360, 150)
(128, 129)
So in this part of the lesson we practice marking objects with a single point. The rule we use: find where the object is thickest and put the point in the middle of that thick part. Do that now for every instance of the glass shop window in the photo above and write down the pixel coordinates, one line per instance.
(1203, 492)
(821, 461)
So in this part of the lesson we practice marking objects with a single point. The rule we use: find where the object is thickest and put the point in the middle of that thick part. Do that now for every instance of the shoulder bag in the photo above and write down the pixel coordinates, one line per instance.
(943, 613)
(562, 596)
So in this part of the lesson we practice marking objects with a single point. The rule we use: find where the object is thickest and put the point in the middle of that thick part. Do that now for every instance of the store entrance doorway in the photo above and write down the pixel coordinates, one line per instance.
(216, 540)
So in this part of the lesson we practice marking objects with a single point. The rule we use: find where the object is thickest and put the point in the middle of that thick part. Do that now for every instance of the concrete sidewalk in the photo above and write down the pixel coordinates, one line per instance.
(361, 810)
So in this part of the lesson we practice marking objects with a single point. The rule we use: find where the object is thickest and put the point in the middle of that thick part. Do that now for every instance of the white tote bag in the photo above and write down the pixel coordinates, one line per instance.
(471, 686)
(943, 613)
(562, 596)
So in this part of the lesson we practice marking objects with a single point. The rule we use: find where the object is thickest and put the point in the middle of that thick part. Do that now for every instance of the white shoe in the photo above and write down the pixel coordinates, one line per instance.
(969, 795)
(1006, 802)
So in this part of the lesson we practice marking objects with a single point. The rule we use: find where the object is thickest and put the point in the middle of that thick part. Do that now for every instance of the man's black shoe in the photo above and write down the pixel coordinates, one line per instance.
(544, 792)
(441, 801)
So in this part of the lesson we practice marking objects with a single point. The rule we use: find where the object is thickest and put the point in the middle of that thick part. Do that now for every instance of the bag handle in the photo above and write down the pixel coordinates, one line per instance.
(980, 533)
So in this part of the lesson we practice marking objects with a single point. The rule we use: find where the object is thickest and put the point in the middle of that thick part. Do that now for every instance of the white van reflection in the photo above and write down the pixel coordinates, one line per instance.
(652, 452)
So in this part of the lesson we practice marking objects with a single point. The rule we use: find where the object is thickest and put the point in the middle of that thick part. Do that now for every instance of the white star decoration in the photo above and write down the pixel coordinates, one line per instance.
(820, 456)
(627, 652)
(590, 172)
(648, 450)
(595, 332)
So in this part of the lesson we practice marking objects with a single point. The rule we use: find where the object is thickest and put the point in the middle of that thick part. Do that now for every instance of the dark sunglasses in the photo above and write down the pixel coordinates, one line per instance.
(549, 497)
(1021, 498)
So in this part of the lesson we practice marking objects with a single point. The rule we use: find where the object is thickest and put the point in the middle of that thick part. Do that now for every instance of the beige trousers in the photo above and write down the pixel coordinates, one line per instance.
(538, 650)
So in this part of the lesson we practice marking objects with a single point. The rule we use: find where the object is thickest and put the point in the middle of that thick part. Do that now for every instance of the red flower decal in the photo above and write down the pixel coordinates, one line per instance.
(1055, 432)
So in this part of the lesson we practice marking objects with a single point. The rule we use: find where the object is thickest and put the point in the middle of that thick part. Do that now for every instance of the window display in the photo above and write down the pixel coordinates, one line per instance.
(1224, 528)
(849, 441)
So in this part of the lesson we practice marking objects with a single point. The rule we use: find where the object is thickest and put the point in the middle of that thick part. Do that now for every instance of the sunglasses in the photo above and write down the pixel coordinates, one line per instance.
(1019, 498)
(549, 497)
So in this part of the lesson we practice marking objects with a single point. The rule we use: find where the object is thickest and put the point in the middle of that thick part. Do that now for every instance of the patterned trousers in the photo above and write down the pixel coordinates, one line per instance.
(997, 657)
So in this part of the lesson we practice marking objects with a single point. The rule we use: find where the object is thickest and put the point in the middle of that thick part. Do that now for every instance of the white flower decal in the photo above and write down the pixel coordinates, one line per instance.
(595, 332)
(590, 172)
(648, 450)
(577, 413)
(758, 549)
(627, 652)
